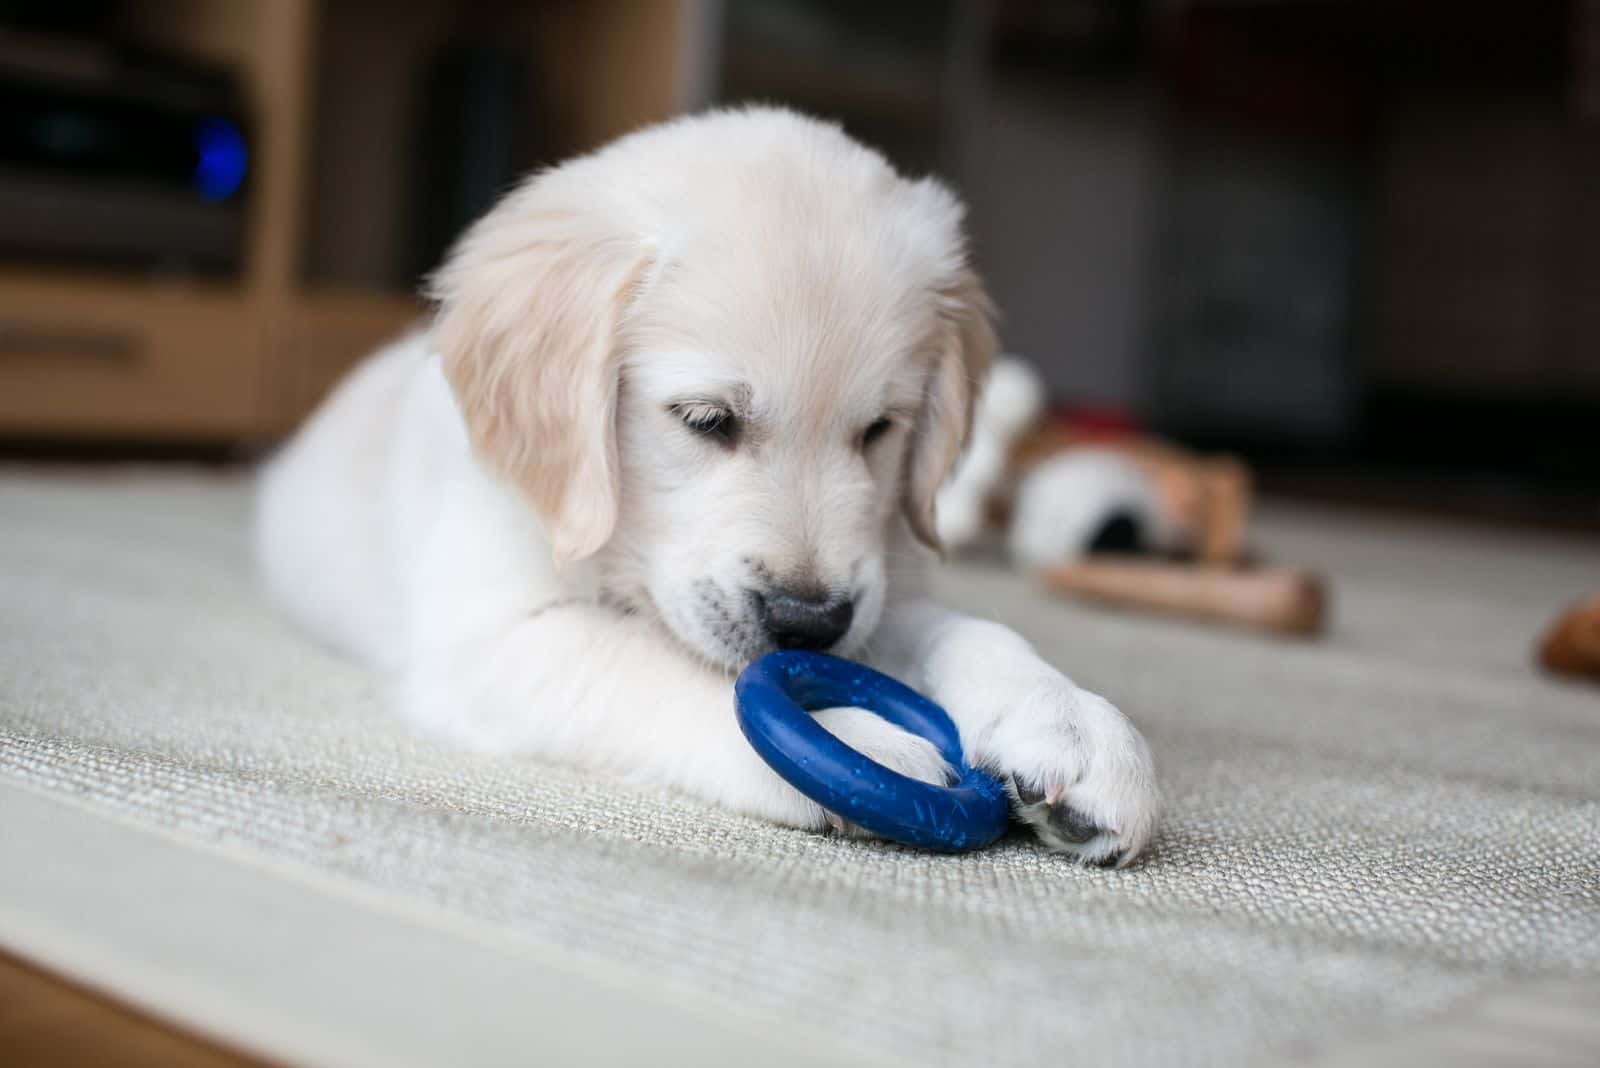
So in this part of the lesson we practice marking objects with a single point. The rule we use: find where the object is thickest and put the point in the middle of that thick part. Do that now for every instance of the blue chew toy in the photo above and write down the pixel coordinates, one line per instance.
(775, 697)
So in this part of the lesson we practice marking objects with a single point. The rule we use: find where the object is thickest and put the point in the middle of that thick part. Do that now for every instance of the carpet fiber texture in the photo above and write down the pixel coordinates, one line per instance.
(1362, 831)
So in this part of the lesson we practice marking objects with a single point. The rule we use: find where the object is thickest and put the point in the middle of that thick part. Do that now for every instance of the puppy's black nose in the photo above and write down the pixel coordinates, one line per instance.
(799, 622)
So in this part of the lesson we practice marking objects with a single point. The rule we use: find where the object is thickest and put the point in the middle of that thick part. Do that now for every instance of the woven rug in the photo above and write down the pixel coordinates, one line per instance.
(1366, 834)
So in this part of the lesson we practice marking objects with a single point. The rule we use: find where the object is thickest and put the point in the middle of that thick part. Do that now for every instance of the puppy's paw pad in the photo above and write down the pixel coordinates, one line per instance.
(1063, 827)
(1045, 810)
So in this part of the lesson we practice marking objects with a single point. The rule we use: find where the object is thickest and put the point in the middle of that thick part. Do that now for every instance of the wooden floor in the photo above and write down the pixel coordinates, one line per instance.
(48, 1023)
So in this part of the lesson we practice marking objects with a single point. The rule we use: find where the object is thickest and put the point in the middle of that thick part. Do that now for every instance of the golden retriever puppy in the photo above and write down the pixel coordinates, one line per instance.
(684, 401)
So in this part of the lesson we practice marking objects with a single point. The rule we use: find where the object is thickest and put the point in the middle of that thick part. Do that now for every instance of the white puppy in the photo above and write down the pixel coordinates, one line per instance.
(685, 400)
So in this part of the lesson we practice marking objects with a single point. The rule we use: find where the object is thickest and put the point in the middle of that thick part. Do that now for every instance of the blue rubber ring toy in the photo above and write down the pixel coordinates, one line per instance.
(774, 698)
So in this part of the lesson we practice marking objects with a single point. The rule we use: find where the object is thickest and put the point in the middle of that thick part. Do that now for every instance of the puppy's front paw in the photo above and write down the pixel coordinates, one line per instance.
(883, 742)
(1078, 772)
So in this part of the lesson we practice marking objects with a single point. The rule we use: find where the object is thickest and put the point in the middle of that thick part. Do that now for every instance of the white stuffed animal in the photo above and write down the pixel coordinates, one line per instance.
(1061, 507)
(1083, 499)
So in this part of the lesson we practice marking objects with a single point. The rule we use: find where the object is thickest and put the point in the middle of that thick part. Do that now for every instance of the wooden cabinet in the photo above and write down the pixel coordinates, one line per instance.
(130, 356)
(118, 358)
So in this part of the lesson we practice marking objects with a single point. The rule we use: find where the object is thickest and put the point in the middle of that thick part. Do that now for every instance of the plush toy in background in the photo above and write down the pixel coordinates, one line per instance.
(1067, 496)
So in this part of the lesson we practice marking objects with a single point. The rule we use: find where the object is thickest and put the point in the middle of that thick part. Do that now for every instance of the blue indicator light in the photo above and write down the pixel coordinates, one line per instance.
(220, 158)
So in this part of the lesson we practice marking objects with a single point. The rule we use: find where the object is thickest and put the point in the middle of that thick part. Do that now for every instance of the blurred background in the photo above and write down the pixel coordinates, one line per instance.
(1356, 243)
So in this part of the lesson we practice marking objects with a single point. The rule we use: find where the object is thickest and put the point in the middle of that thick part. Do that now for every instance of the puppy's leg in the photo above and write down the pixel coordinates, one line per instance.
(868, 733)
(580, 683)
(1079, 773)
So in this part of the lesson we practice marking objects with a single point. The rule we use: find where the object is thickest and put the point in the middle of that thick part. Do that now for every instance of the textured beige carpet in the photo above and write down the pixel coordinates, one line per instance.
(1365, 833)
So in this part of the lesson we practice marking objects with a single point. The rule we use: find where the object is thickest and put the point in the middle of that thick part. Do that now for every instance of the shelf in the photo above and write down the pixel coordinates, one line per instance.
(110, 357)
(20, 286)
(104, 356)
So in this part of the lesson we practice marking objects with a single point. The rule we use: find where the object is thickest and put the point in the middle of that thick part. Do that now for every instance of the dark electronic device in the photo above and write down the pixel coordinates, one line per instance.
(112, 156)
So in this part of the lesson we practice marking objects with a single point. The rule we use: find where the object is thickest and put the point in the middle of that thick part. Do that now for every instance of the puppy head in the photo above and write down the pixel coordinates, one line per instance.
(724, 358)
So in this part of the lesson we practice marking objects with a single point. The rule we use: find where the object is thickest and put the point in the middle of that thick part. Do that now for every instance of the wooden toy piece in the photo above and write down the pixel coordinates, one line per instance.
(1279, 599)
(1572, 644)
(1228, 489)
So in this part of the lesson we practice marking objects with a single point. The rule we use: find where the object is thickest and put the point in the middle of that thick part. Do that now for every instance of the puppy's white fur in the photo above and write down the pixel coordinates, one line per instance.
(510, 516)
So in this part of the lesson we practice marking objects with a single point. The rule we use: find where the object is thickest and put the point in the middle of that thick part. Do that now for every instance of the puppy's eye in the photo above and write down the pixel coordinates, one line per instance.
(709, 420)
(877, 430)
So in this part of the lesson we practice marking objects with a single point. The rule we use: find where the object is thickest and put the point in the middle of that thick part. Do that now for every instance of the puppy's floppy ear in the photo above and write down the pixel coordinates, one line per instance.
(531, 304)
(964, 349)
